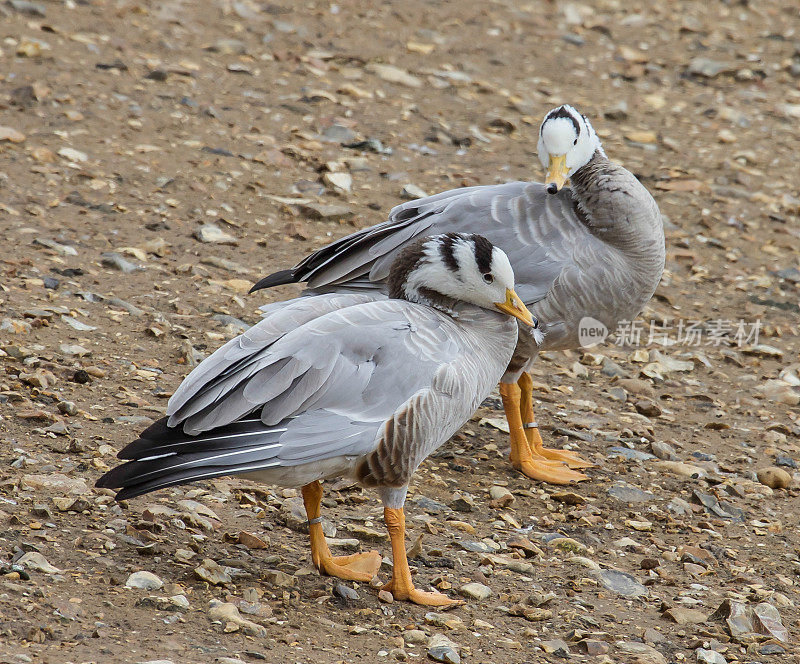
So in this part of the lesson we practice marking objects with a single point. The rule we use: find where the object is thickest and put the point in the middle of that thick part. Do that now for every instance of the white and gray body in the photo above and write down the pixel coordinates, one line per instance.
(331, 385)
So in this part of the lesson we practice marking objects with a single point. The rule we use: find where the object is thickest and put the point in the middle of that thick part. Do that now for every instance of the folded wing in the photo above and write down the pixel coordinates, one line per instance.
(294, 389)
(541, 233)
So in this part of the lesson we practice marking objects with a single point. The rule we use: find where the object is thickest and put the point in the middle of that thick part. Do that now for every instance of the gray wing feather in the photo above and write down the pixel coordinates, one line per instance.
(540, 232)
(240, 356)
(332, 396)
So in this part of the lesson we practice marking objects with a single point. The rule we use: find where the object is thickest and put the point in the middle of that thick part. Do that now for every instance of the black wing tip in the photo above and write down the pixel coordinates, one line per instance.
(103, 483)
(156, 431)
(126, 484)
(276, 279)
(127, 493)
(111, 479)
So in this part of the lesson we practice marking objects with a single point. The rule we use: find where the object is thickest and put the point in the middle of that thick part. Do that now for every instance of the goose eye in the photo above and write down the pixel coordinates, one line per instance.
(488, 278)
(575, 142)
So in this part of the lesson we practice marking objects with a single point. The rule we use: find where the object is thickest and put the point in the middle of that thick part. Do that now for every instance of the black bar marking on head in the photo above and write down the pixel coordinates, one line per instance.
(564, 112)
(483, 253)
(447, 251)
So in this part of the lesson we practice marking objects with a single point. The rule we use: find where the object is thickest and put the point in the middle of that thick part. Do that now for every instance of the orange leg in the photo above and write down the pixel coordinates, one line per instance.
(401, 585)
(571, 459)
(523, 458)
(357, 567)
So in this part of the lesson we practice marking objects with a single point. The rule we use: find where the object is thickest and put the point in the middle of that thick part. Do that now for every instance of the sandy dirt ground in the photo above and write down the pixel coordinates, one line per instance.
(158, 157)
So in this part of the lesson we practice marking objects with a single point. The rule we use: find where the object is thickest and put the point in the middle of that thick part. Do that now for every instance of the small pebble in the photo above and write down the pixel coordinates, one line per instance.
(144, 581)
(212, 234)
(115, 260)
(709, 656)
(442, 649)
(345, 592)
(415, 636)
(774, 477)
(212, 572)
(67, 407)
(36, 561)
(412, 191)
(476, 591)
(621, 583)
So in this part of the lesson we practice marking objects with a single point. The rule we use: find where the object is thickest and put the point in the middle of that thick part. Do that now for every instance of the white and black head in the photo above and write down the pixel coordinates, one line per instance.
(441, 270)
(567, 141)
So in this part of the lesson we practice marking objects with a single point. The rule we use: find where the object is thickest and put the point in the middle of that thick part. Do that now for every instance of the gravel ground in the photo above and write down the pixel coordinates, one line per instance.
(158, 157)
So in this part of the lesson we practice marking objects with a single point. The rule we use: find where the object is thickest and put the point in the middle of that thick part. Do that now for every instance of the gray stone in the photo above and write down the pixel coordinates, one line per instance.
(280, 579)
(392, 74)
(64, 249)
(55, 482)
(617, 111)
(682, 615)
(73, 155)
(227, 612)
(555, 647)
(431, 506)
(444, 654)
(326, 212)
(365, 533)
(144, 581)
(236, 325)
(345, 592)
(75, 350)
(771, 649)
(663, 451)
(442, 649)
(709, 656)
(735, 616)
(67, 407)
(412, 192)
(617, 394)
(629, 494)
(644, 654)
(36, 561)
(679, 506)
(415, 636)
(339, 181)
(621, 583)
(29, 8)
(708, 68)
(228, 46)
(631, 455)
(293, 513)
(212, 234)
(611, 369)
(212, 572)
(337, 133)
(717, 508)
(75, 324)
(463, 502)
(118, 262)
(768, 621)
(501, 497)
(475, 547)
(476, 591)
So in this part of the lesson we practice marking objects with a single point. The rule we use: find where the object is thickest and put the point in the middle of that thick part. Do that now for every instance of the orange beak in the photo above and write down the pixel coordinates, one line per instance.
(514, 306)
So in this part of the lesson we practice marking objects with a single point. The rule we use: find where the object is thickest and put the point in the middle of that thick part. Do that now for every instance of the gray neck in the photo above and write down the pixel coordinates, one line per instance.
(618, 209)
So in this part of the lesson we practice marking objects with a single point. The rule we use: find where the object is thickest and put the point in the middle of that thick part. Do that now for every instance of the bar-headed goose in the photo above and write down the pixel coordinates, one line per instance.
(344, 384)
